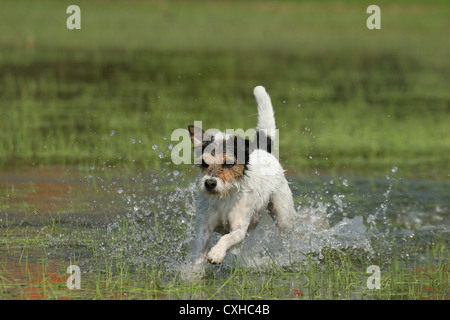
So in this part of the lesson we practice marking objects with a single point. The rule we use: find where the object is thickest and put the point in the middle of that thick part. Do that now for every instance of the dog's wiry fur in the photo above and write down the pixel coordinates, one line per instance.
(240, 179)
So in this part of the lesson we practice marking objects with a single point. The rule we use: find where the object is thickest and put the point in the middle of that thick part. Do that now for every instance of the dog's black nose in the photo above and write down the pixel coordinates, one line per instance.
(210, 184)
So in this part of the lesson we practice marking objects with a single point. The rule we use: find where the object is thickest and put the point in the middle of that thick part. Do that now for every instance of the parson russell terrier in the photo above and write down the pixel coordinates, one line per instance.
(239, 180)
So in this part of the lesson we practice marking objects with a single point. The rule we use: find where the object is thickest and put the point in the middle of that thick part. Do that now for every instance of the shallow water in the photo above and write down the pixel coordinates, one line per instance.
(147, 219)
(357, 209)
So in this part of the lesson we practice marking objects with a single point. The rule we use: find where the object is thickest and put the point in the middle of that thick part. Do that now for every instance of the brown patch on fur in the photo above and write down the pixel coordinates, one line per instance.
(231, 174)
(218, 167)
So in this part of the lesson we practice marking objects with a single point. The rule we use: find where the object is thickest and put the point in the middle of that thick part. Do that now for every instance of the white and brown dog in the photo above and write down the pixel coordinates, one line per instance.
(240, 180)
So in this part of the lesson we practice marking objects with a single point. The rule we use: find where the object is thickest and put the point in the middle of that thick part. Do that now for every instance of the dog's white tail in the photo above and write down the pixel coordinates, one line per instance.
(266, 120)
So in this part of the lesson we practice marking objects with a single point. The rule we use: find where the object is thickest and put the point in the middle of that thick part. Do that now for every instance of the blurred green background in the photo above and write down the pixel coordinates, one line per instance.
(346, 98)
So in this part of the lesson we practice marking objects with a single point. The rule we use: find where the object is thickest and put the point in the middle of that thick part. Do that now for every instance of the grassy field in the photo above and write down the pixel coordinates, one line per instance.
(346, 98)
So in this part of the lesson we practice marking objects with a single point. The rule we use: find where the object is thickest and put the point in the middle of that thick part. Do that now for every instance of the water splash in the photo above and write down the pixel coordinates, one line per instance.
(381, 212)
(156, 226)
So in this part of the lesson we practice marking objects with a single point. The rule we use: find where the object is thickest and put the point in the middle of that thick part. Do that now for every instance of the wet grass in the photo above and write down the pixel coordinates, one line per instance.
(34, 266)
(136, 249)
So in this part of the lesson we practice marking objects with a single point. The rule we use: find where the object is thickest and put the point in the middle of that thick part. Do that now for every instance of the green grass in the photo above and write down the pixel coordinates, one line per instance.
(346, 98)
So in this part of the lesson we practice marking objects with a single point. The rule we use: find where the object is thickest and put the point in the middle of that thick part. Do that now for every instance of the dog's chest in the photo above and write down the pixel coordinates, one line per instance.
(230, 212)
(226, 213)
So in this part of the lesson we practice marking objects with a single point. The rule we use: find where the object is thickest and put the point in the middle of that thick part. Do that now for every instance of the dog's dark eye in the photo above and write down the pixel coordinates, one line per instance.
(227, 165)
(204, 164)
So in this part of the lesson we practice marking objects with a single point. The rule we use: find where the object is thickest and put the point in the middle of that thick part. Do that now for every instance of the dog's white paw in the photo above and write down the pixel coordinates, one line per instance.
(216, 255)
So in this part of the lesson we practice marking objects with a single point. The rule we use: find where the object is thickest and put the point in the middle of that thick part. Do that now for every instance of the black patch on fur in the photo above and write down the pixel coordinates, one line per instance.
(263, 141)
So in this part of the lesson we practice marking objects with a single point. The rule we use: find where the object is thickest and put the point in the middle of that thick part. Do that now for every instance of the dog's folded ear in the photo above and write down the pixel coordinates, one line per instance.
(199, 137)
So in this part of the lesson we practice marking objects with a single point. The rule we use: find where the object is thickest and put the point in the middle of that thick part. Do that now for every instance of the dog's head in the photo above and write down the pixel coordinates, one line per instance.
(222, 159)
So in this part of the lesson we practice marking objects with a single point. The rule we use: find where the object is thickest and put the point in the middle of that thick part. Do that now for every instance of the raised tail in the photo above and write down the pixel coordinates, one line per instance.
(266, 128)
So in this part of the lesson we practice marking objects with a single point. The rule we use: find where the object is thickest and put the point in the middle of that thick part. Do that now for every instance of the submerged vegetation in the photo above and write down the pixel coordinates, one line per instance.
(130, 241)
(337, 275)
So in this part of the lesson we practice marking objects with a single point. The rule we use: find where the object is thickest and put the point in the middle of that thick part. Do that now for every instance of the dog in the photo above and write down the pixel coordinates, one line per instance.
(239, 180)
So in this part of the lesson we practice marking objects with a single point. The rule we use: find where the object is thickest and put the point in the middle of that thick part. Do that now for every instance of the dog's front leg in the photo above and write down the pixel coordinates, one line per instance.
(218, 252)
(239, 218)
